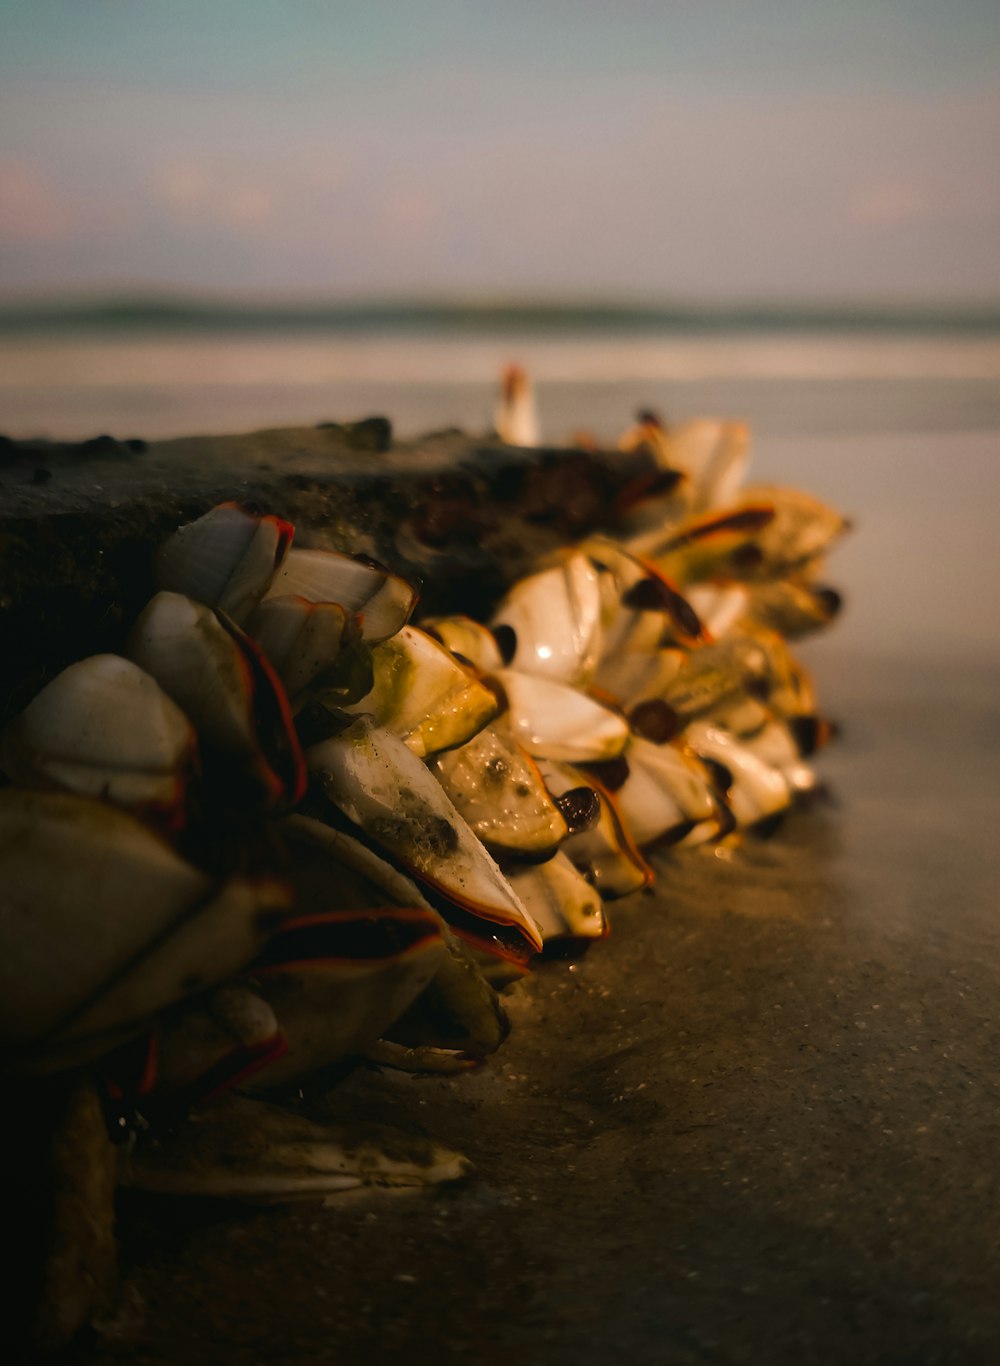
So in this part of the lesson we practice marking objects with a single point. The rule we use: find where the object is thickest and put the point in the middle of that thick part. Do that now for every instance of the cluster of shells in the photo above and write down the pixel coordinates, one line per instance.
(287, 829)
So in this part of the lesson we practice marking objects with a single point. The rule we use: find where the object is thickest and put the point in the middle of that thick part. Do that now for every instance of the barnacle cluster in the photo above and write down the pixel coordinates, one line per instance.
(288, 828)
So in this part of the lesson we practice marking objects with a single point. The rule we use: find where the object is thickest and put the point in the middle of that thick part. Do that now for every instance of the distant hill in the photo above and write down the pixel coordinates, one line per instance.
(183, 314)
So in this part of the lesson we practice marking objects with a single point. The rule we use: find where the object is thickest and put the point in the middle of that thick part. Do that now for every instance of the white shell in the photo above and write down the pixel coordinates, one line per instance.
(720, 606)
(222, 685)
(225, 559)
(330, 1007)
(714, 454)
(84, 887)
(664, 789)
(561, 900)
(627, 627)
(497, 788)
(758, 790)
(103, 727)
(371, 775)
(743, 716)
(556, 618)
(516, 418)
(200, 950)
(382, 599)
(195, 660)
(424, 695)
(775, 745)
(554, 721)
(300, 638)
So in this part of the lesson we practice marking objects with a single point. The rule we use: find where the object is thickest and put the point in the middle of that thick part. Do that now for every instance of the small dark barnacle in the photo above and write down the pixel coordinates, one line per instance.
(506, 639)
(580, 808)
(655, 720)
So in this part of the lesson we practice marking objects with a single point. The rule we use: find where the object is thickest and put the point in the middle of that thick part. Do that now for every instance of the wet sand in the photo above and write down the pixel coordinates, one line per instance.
(760, 1123)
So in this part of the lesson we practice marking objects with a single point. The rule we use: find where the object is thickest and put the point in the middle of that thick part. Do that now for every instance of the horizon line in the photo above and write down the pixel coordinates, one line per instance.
(163, 308)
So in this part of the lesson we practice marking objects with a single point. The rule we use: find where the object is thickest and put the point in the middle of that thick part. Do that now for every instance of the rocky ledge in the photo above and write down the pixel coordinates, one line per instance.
(459, 516)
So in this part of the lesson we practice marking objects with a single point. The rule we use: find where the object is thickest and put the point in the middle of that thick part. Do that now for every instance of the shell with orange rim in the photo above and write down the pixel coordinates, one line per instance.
(227, 688)
(604, 851)
(497, 788)
(226, 559)
(383, 600)
(106, 925)
(423, 694)
(377, 782)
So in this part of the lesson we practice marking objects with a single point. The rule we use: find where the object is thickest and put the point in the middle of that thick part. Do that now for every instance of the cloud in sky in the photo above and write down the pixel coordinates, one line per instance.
(888, 202)
(213, 194)
(31, 209)
(719, 150)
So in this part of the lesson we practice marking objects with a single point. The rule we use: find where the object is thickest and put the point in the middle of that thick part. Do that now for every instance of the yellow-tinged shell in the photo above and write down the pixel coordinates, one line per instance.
(795, 607)
(466, 638)
(377, 782)
(423, 694)
(497, 787)
(716, 674)
(630, 679)
(802, 528)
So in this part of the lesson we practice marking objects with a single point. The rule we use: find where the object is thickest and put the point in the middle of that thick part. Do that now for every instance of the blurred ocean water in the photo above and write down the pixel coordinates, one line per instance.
(155, 383)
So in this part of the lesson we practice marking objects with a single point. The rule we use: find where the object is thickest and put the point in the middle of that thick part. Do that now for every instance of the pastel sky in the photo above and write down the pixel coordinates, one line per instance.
(724, 150)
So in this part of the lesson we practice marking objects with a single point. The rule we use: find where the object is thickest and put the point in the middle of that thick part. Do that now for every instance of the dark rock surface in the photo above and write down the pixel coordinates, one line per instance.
(457, 516)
